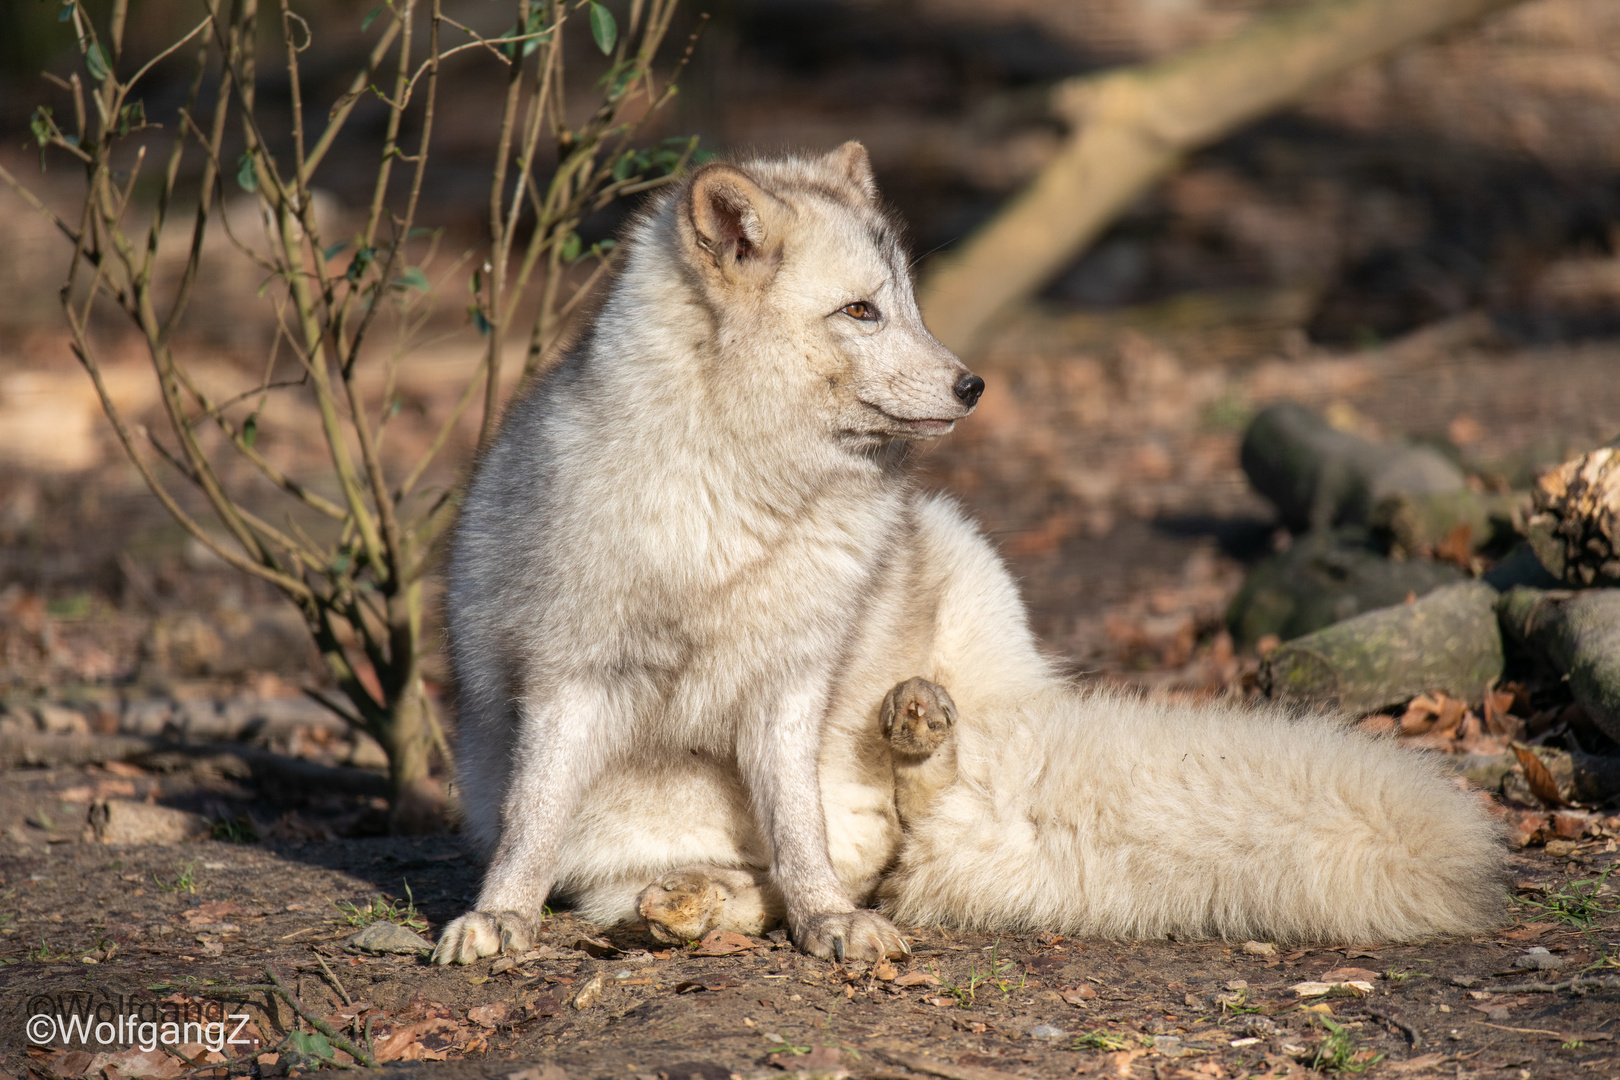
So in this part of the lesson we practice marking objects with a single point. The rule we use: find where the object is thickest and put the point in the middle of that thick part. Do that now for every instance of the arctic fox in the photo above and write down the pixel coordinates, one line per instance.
(696, 608)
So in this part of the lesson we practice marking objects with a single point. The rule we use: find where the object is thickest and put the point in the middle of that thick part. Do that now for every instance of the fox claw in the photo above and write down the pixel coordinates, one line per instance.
(851, 935)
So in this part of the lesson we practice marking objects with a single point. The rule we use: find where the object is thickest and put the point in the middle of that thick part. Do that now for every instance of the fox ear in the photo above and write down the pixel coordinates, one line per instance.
(736, 224)
(852, 163)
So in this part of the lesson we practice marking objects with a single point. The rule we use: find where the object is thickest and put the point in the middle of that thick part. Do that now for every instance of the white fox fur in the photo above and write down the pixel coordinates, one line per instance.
(692, 566)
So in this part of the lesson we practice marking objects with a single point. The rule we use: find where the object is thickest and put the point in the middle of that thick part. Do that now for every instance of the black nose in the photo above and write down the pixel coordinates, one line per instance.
(968, 388)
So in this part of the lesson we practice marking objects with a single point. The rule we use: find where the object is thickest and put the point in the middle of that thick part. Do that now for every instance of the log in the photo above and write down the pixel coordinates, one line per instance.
(1319, 477)
(1130, 128)
(1578, 634)
(1447, 641)
(1324, 578)
(1447, 523)
(1575, 529)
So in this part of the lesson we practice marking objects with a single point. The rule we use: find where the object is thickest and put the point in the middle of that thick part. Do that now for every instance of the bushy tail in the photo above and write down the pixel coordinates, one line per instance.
(1101, 814)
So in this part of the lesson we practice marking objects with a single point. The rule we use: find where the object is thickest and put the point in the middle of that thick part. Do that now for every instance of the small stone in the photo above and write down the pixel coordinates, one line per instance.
(1169, 1046)
(587, 995)
(387, 937)
(1238, 984)
(1259, 948)
(1046, 1031)
(1467, 982)
(1538, 959)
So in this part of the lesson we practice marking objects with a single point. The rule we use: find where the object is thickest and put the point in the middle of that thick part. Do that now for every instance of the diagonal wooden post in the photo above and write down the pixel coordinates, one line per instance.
(1133, 126)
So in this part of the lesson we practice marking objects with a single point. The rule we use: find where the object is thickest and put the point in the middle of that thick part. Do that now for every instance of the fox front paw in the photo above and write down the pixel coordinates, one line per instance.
(483, 933)
(917, 717)
(850, 935)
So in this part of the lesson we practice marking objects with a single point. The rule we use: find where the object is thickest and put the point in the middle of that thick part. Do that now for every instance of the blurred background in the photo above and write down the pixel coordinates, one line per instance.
(1425, 247)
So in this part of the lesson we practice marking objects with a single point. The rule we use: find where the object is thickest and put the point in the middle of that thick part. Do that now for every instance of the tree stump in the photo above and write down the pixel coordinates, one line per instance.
(1575, 530)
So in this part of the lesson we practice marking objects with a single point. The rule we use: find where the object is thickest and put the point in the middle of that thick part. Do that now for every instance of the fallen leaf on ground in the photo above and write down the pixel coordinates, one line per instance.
(724, 943)
(1541, 782)
(1421, 1063)
(1075, 997)
(1349, 974)
(488, 1015)
(1345, 988)
(917, 978)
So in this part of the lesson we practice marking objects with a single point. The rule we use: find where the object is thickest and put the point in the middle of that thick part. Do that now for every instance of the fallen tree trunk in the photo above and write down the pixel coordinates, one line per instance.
(1132, 127)
(1319, 477)
(1579, 635)
(1326, 577)
(1447, 641)
(1576, 528)
(1447, 523)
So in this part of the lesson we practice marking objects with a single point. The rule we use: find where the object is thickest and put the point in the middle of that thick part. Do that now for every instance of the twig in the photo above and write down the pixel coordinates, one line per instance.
(279, 989)
(1576, 985)
(342, 993)
(1394, 1021)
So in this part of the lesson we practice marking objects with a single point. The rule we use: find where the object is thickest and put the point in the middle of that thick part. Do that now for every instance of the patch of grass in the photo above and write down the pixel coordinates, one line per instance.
(385, 909)
(1109, 1040)
(996, 974)
(1577, 904)
(235, 830)
(782, 1046)
(45, 954)
(184, 880)
(1338, 1052)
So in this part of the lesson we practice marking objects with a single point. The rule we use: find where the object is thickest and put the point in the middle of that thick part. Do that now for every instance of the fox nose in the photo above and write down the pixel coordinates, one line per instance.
(968, 388)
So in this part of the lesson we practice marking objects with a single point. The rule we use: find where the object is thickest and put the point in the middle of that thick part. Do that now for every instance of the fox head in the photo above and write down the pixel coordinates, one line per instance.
(810, 300)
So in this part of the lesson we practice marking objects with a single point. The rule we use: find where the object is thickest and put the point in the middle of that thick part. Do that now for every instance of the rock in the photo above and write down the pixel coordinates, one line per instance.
(1576, 528)
(119, 821)
(1046, 1031)
(1538, 959)
(1259, 948)
(387, 937)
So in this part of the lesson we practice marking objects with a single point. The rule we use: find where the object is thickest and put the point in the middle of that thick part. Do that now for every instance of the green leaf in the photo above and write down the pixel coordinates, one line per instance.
(480, 320)
(359, 264)
(420, 231)
(371, 17)
(335, 250)
(604, 31)
(40, 124)
(96, 61)
(246, 178)
(475, 284)
(412, 279)
(250, 429)
(67, 11)
(311, 1044)
(340, 564)
(624, 167)
(570, 248)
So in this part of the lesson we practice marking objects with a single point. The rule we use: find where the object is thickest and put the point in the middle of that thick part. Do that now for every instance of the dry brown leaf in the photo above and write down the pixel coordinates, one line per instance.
(1536, 775)
(1527, 827)
(1420, 715)
(885, 971)
(425, 1040)
(1452, 711)
(1348, 974)
(1457, 547)
(1079, 996)
(917, 978)
(1499, 719)
(488, 1015)
(724, 943)
(1421, 1063)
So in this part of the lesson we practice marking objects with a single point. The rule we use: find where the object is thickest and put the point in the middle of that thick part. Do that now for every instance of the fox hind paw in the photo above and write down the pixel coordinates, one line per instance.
(483, 933)
(917, 716)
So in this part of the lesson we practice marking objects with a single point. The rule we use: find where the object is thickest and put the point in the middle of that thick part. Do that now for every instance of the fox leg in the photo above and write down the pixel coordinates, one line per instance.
(559, 751)
(918, 718)
(686, 903)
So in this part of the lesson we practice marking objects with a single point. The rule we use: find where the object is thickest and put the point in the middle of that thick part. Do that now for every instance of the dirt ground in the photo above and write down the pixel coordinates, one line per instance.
(180, 924)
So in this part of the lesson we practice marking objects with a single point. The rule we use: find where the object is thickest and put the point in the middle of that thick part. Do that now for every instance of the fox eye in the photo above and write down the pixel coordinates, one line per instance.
(862, 310)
